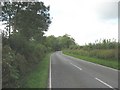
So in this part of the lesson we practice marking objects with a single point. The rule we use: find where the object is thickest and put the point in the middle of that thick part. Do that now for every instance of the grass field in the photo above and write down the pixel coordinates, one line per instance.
(106, 62)
(39, 77)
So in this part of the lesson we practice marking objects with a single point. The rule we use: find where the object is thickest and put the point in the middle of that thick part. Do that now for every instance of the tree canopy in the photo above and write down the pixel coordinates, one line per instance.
(30, 19)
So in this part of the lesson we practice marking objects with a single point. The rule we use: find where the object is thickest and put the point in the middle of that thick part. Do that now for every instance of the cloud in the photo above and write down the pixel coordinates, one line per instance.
(79, 18)
(108, 10)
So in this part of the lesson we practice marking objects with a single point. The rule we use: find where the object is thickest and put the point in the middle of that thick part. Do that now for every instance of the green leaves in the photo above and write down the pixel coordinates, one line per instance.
(14, 73)
(26, 24)
(27, 18)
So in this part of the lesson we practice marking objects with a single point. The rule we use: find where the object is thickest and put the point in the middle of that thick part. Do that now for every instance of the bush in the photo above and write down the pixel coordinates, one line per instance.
(97, 53)
(21, 64)
(10, 73)
(40, 51)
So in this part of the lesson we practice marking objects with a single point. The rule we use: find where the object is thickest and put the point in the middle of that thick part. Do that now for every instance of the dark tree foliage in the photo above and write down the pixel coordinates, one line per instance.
(59, 43)
(31, 19)
(23, 39)
(24, 43)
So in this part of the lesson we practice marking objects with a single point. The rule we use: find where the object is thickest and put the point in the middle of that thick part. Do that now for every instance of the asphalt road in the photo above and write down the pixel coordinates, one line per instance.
(70, 72)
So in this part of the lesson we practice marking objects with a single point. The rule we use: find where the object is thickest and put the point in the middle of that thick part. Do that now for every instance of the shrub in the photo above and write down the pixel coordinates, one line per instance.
(10, 73)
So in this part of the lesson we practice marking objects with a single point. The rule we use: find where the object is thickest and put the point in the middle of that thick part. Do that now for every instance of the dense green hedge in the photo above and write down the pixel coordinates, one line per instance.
(16, 65)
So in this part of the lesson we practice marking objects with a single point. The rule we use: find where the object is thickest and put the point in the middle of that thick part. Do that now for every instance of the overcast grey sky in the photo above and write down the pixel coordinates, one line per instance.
(85, 20)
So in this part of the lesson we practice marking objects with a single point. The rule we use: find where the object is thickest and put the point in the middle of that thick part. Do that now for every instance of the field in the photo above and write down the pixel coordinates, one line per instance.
(104, 52)
(106, 57)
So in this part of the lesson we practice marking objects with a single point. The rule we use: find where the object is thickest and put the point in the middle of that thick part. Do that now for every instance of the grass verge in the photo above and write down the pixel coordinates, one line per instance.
(39, 77)
(108, 63)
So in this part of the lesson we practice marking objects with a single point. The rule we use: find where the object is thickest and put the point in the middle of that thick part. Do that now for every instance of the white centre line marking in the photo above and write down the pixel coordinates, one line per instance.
(105, 83)
(76, 66)
(50, 86)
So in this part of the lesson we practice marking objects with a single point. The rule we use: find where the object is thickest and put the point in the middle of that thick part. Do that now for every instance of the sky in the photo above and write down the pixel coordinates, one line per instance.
(85, 20)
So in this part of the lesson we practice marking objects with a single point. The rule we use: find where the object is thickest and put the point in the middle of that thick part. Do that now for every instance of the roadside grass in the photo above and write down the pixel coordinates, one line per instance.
(104, 62)
(38, 78)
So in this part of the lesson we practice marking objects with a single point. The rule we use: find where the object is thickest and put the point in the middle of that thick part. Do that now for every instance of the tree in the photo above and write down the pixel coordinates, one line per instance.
(66, 41)
(52, 42)
(7, 14)
(26, 23)
(31, 19)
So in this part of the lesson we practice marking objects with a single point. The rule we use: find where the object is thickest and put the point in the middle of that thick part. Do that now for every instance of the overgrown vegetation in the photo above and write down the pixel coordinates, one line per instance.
(24, 43)
(102, 52)
(38, 78)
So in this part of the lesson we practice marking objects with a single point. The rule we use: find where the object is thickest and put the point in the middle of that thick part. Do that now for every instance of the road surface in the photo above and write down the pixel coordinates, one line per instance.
(70, 72)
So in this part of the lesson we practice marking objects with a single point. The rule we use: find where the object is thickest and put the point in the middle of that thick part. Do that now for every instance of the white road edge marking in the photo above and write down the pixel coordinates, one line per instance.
(50, 86)
(76, 66)
(104, 83)
(92, 63)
